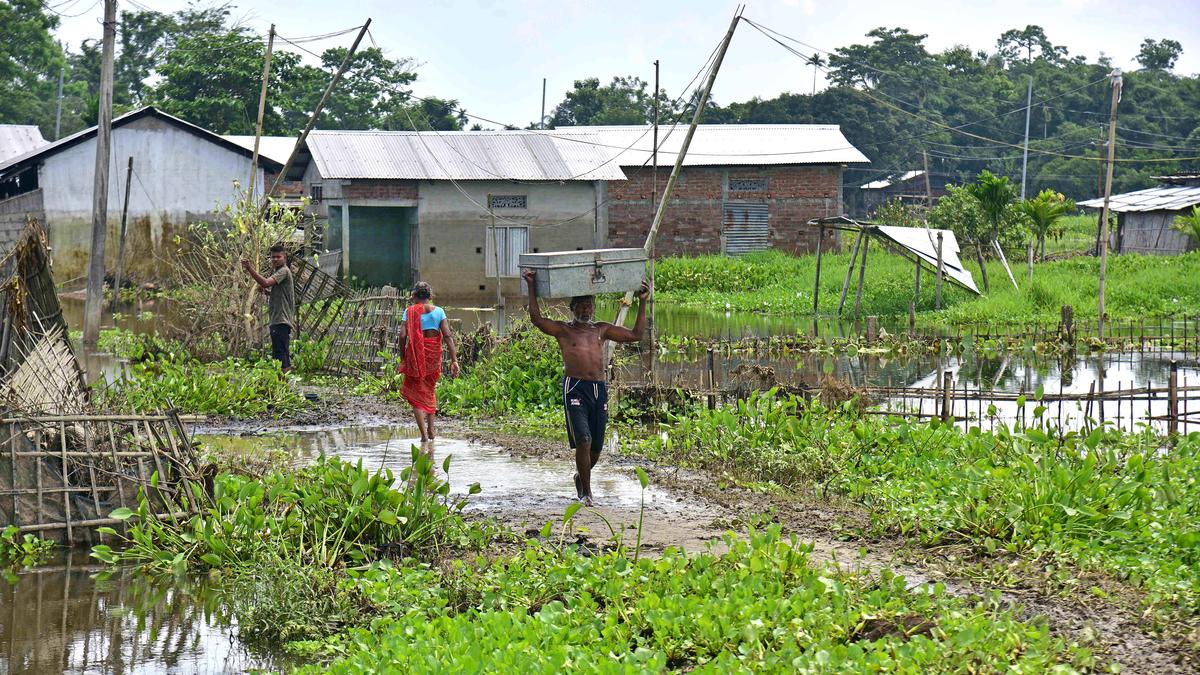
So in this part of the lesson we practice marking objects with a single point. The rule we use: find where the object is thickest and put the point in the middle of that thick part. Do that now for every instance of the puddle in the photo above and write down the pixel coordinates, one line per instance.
(61, 618)
(507, 482)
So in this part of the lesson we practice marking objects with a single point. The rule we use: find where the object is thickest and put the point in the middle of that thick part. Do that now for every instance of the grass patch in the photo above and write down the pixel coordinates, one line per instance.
(1138, 287)
(1108, 501)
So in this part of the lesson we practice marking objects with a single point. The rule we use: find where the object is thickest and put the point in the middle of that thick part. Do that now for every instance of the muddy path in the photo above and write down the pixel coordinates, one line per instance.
(525, 482)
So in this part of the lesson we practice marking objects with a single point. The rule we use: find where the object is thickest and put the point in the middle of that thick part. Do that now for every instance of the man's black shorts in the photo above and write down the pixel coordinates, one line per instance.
(281, 344)
(586, 405)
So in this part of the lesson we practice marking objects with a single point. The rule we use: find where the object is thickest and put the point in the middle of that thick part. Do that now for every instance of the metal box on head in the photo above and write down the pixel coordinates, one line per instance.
(564, 274)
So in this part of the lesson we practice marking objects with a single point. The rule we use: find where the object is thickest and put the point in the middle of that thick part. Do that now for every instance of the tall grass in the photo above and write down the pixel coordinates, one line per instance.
(776, 283)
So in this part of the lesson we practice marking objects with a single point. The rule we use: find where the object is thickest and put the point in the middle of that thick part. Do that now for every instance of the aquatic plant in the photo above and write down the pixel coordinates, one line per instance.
(1101, 501)
(24, 550)
(760, 606)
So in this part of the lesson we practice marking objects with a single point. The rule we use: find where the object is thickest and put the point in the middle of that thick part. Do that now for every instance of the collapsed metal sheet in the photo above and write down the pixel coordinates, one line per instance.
(923, 243)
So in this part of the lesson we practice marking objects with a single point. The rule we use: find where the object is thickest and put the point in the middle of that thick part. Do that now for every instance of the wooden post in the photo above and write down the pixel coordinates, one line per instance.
(872, 329)
(121, 240)
(941, 271)
(95, 275)
(862, 271)
(1067, 329)
(702, 102)
(817, 283)
(712, 379)
(917, 292)
(912, 320)
(850, 270)
(262, 109)
(312, 122)
(947, 392)
(1112, 151)
(1173, 399)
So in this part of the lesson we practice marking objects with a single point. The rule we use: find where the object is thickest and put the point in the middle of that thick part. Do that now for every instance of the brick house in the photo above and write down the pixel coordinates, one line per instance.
(742, 188)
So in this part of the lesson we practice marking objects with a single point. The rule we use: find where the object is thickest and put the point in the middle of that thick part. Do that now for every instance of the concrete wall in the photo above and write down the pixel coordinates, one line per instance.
(452, 231)
(179, 178)
(693, 222)
(14, 213)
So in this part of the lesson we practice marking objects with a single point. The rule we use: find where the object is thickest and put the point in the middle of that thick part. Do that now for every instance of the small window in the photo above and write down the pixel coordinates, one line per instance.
(747, 184)
(316, 192)
(433, 249)
(482, 287)
(508, 202)
(512, 242)
(479, 249)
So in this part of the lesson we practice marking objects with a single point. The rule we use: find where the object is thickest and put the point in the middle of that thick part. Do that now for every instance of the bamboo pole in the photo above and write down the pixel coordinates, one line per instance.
(850, 270)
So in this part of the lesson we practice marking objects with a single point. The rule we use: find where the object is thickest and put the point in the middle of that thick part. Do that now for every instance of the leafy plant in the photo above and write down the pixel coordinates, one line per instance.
(24, 550)
(327, 514)
(1189, 224)
(1042, 214)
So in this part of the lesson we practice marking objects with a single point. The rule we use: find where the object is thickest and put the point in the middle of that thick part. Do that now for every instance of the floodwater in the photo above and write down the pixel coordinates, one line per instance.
(506, 481)
(63, 618)
(68, 617)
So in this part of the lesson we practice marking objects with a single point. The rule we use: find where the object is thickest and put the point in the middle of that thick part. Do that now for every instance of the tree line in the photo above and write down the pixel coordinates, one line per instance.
(202, 65)
(959, 110)
(962, 111)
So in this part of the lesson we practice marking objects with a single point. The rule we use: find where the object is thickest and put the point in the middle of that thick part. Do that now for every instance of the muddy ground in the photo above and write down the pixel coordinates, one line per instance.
(694, 510)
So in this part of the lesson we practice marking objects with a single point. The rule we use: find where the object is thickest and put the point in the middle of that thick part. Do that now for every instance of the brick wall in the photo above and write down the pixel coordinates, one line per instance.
(692, 225)
(380, 189)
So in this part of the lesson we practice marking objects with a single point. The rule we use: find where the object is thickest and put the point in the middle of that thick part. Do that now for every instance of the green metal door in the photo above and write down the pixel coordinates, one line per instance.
(380, 238)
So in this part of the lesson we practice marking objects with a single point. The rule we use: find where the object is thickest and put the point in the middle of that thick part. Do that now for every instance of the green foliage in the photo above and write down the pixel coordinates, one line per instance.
(1140, 287)
(24, 550)
(328, 514)
(1189, 224)
(761, 606)
(1042, 214)
(623, 101)
(162, 374)
(898, 212)
(1102, 501)
(308, 356)
(523, 374)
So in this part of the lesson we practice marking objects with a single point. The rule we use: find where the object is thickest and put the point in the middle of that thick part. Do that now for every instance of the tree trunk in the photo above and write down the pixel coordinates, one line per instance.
(982, 267)
(1041, 248)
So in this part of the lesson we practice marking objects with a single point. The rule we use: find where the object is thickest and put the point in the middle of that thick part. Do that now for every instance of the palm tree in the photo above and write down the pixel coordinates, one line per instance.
(816, 62)
(1041, 213)
(994, 194)
(1189, 224)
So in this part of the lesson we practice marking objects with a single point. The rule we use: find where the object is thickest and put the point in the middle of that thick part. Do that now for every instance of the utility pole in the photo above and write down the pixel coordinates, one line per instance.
(58, 113)
(262, 109)
(121, 239)
(1024, 166)
(687, 141)
(95, 277)
(648, 339)
(1112, 152)
(542, 119)
(1025, 155)
(312, 120)
(496, 256)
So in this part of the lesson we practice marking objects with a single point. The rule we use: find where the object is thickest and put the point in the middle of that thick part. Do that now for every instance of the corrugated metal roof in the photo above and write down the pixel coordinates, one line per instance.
(18, 139)
(1161, 198)
(723, 144)
(458, 155)
(148, 111)
(277, 148)
(891, 180)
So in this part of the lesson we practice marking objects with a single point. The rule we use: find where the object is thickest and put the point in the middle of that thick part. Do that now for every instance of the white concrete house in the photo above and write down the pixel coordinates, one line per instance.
(182, 174)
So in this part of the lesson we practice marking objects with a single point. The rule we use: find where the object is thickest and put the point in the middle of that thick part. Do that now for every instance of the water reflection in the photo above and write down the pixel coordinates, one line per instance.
(63, 618)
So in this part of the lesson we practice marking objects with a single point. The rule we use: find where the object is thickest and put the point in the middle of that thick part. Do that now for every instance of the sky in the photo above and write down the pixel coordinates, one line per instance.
(491, 55)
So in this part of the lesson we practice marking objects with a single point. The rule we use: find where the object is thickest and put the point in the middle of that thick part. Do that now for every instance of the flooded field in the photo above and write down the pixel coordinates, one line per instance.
(69, 617)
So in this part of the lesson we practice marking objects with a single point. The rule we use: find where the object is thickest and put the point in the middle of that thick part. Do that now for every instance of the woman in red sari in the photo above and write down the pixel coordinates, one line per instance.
(425, 327)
